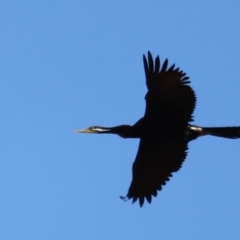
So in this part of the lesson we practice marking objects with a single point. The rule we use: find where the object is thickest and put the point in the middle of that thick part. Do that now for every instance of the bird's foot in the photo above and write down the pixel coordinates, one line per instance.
(124, 198)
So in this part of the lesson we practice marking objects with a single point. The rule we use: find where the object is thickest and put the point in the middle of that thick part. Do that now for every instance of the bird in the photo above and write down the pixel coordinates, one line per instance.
(164, 130)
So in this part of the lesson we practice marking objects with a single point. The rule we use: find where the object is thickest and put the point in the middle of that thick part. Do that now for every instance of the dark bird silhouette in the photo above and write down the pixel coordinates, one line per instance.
(164, 130)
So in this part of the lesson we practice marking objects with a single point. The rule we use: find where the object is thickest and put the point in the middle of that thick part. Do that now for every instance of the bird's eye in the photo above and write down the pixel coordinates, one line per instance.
(93, 128)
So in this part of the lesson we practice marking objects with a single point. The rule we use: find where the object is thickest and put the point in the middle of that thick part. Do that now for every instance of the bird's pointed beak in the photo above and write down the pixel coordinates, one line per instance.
(83, 131)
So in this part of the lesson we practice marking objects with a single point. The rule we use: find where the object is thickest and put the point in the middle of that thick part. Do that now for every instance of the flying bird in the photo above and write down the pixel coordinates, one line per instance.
(164, 130)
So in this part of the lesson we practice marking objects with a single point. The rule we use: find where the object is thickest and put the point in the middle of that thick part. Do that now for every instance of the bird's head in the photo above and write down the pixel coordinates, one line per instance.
(94, 129)
(122, 130)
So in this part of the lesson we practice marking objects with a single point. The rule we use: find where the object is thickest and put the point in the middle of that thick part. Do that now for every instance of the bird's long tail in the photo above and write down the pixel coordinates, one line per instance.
(226, 132)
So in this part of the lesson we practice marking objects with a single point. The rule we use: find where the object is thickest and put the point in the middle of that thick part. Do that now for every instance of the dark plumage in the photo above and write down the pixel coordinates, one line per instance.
(164, 130)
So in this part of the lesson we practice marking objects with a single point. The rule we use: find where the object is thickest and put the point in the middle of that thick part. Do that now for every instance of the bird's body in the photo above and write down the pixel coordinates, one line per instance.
(164, 130)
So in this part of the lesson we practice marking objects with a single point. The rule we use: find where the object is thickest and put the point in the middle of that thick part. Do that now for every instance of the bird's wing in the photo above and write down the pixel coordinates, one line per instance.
(154, 164)
(168, 95)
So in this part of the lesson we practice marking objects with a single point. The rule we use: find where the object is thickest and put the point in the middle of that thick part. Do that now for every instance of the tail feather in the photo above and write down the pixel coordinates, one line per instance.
(225, 132)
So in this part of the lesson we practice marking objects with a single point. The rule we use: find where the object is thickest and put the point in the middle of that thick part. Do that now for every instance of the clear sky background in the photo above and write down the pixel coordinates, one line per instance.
(68, 65)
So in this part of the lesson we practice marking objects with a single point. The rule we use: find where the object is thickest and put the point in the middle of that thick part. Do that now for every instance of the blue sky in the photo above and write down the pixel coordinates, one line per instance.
(67, 65)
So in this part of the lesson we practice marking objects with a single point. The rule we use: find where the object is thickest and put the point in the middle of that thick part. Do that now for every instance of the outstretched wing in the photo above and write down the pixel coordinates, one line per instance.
(154, 164)
(170, 102)
(169, 95)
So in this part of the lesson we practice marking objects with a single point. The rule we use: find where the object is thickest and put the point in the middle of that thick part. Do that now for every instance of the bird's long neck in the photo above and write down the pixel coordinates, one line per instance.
(124, 131)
